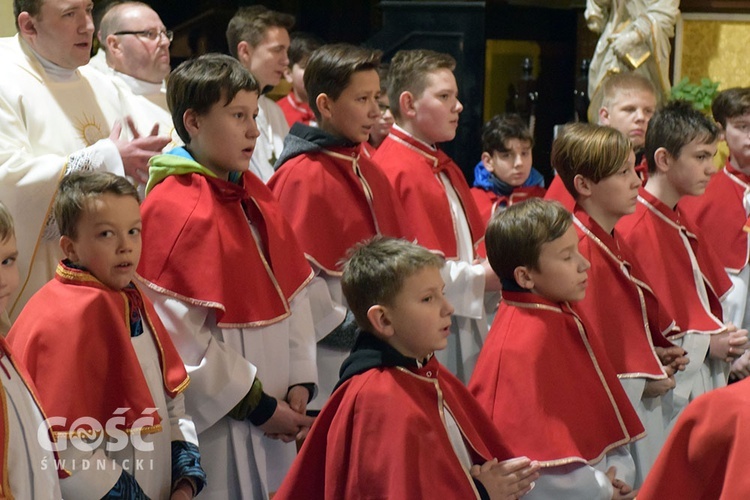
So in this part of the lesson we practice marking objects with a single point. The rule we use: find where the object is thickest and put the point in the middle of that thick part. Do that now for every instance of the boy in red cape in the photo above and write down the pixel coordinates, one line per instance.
(423, 95)
(96, 350)
(330, 191)
(681, 267)
(399, 425)
(626, 322)
(721, 213)
(225, 271)
(706, 455)
(538, 369)
(27, 462)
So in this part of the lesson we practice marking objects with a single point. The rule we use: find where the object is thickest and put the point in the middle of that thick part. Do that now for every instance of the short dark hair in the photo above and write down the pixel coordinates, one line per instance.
(673, 126)
(249, 24)
(730, 103)
(409, 70)
(592, 151)
(515, 235)
(502, 128)
(301, 46)
(31, 6)
(77, 188)
(330, 68)
(199, 83)
(375, 271)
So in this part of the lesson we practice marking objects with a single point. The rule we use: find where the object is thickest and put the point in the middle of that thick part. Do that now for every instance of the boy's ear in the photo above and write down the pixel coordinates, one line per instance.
(582, 185)
(191, 121)
(663, 159)
(487, 161)
(244, 53)
(378, 316)
(324, 105)
(523, 277)
(288, 75)
(722, 135)
(603, 116)
(406, 104)
(68, 247)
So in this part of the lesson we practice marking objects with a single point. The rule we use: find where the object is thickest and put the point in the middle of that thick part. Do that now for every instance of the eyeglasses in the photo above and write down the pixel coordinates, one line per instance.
(152, 34)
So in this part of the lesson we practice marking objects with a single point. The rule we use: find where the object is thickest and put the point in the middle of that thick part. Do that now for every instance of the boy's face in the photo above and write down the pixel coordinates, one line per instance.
(9, 276)
(690, 172)
(615, 196)
(354, 114)
(560, 274)
(385, 122)
(296, 76)
(630, 113)
(223, 139)
(435, 113)
(108, 242)
(511, 166)
(737, 135)
(420, 316)
(268, 60)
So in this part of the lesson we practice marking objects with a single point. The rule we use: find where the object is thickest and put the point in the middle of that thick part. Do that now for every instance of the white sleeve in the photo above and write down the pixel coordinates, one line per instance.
(327, 314)
(464, 287)
(93, 481)
(302, 366)
(574, 481)
(219, 376)
(181, 424)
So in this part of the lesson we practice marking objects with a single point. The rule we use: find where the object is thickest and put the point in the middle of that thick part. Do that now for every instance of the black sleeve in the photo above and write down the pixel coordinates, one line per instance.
(481, 489)
(186, 463)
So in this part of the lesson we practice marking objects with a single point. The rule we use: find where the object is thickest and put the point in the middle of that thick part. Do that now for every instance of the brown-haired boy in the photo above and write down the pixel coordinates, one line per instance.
(721, 213)
(295, 105)
(596, 165)
(542, 380)
(399, 425)
(680, 265)
(226, 272)
(424, 101)
(331, 192)
(113, 384)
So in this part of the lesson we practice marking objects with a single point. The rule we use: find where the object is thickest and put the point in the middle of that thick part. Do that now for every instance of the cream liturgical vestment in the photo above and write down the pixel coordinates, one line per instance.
(49, 126)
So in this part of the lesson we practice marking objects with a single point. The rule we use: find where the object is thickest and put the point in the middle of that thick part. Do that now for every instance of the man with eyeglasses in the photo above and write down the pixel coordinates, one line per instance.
(58, 116)
(135, 44)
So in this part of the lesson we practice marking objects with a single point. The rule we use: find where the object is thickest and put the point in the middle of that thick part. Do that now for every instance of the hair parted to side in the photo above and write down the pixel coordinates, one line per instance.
(375, 271)
(502, 128)
(619, 83)
(515, 236)
(77, 188)
(330, 68)
(249, 24)
(7, 227)
(301, 46)
(409, 71)
(199, 83)
(592, 151)
(676, 124)
(730, 103)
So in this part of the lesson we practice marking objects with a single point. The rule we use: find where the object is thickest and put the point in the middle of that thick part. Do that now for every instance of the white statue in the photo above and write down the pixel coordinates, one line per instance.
(634, 37)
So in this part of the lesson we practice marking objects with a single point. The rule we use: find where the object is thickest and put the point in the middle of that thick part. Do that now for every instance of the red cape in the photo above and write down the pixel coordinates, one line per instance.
(200, 249)
(720, 215)
(558, 192)
(335, 198)
(624, 317)
(540, 381)
(707, 454)
(653, 235)
(295, 111)
(413, 170)
(382, 435)
(80, 371)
